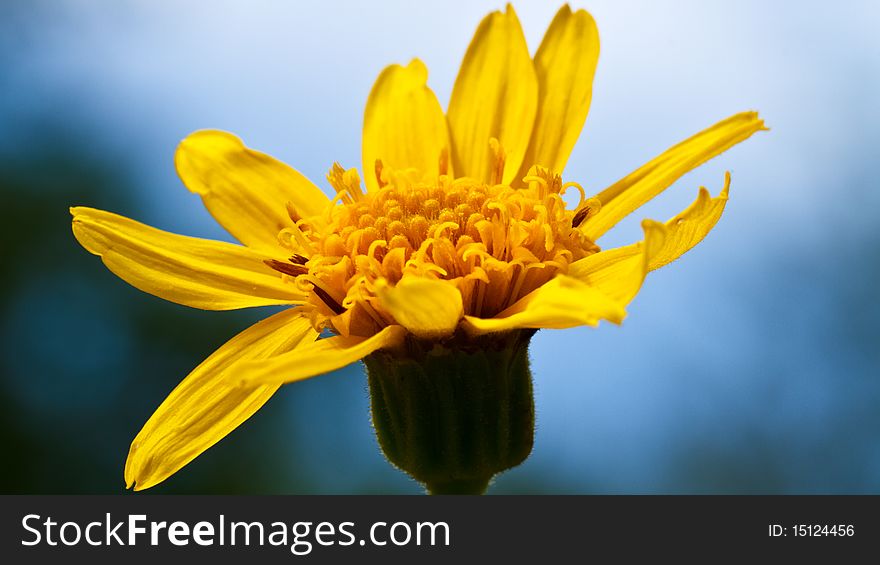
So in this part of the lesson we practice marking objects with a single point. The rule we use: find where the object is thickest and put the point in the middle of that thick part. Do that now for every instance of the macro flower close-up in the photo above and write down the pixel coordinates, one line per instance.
(435, 262)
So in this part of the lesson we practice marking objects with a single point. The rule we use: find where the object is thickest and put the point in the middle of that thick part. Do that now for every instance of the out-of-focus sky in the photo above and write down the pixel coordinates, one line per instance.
(750, 365)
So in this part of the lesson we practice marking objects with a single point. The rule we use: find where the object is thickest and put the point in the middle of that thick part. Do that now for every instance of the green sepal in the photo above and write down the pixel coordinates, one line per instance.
(454, 414)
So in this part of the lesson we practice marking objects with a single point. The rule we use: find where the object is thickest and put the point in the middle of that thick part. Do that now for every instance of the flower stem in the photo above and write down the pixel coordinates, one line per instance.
(476, 486)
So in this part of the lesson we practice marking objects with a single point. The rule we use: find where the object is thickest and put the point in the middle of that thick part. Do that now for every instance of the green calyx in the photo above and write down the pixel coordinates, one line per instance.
(454, 414)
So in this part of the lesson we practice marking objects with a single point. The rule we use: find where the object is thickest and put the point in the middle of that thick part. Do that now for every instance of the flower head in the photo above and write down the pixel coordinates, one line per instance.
(422, 253)
(456, 228)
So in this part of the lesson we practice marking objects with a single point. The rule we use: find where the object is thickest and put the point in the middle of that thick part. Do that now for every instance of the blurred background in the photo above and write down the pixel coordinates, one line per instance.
(749, 366)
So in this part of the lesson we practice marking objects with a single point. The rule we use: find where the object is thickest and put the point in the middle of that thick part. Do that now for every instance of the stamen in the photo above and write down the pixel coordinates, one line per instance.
(583, 195)
(579, 218)
(292, 236)
(353, 184)
(541, 181)
(328, 300)
(286, 268)
(437, 231)
(375, 245)
(347, 184)
(341, 196)
(299, 259)
(364, 302)
(590, 209)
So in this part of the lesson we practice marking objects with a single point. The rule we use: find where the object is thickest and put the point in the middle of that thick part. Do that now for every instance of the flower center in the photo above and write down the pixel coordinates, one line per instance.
(495, 243)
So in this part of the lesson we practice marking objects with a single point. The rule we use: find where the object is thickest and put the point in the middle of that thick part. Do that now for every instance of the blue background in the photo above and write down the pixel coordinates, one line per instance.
(749, 366)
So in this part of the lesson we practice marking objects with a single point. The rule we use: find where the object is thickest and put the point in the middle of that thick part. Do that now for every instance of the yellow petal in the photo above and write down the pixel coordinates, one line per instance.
(428, 308)
(404, 125)
(618, 273)
(565, 64)
(246, 191)
(564, 302)
(320, 357)
(210, 402)
(688, 228)
(627, 194)
(495, 96)
(211, 275)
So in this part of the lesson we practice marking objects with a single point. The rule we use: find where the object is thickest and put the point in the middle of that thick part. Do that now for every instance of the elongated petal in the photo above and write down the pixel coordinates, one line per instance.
(688, 228)
(565, 64)
(201, 273)
(619, 273)
(210, 402)
(564, 302)
(615, 272)
(428, 308)
(404, 125)
(320, 357)
(246, 191)
(627, 194)
(495, 96)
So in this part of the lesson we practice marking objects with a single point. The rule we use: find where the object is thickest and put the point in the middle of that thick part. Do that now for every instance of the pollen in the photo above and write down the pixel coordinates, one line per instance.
(494, 242)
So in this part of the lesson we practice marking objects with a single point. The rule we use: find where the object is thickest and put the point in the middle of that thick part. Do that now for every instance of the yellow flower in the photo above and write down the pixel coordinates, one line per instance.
(461, 231)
